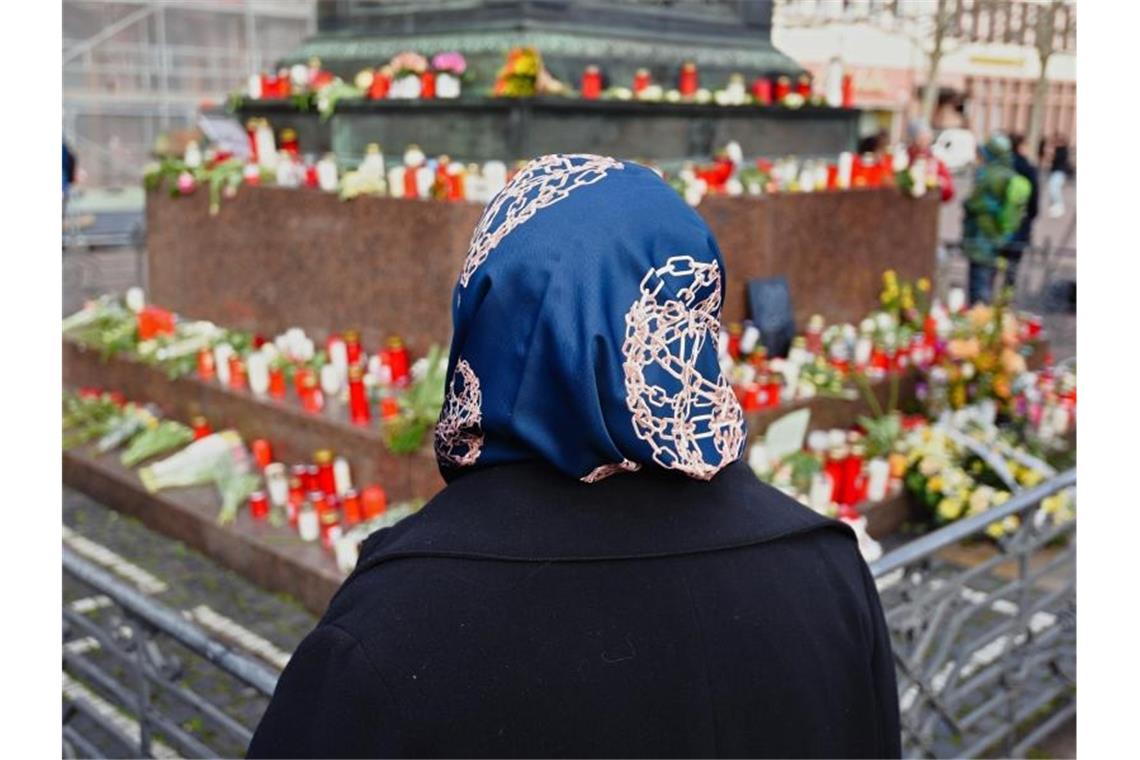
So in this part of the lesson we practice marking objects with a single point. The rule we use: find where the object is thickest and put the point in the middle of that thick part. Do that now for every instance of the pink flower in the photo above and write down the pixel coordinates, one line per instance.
(186, 183)
(408, 62)
(452, 62)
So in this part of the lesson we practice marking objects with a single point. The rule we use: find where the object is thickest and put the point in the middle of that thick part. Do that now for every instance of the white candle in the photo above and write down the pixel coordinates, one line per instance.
(266, 145)
(372, 166)
(879, 474)
(327, 173)
(955, 300)
(330, 380)
(863, 351)
(396, 182)
(257, 368)
(277, 484)
(342, 476)
(347, 551)
(135, 299)
(222, 354)
(307, 523)
(749, 338)
(846, 161)
(254, 86)
(820, 495)
(338, 356)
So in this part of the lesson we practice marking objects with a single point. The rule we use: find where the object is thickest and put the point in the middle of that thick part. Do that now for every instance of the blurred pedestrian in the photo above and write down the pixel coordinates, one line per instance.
(70, 164)
(993, 213)
(1023, 237)
(1059, 170)
(921, 141)
(603, 575)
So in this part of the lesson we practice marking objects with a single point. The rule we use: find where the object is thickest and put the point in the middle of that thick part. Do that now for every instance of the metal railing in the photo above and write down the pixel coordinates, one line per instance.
(984, 634)
(121, 687)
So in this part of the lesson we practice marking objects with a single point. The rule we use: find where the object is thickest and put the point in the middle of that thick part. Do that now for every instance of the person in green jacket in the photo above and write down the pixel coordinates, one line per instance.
(994, 211)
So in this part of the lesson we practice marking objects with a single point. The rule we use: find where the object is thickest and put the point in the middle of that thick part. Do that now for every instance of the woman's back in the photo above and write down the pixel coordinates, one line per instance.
(526, 614)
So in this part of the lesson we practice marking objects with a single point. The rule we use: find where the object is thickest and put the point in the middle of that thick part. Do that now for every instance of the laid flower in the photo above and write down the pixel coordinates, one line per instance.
(452, 62)
(923, 284)
(949, 509)
(1012, 362)
(981, 499)
(408, 62)
(963, 348)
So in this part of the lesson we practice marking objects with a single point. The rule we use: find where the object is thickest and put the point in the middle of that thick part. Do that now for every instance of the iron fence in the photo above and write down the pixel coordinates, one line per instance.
(141, 679)
(984, 631)
(984, 636)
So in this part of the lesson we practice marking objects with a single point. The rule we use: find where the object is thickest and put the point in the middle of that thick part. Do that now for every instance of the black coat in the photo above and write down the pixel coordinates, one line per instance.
(522, 613)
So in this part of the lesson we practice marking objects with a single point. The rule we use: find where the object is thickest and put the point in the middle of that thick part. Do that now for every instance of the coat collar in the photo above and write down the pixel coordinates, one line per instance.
(532, 512)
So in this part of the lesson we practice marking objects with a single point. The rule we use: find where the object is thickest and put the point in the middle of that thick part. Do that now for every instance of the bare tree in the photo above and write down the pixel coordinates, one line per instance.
(939, 36)
(1044, 38)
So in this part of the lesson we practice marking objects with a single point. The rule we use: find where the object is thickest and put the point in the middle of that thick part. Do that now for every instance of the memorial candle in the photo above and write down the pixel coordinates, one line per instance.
(848, 91)
(262, 452)
(326, 477)
(200, 427)
(852, 469)
(296, 500)
(783, 88)
(803, 86)
(258, 505)
(835, 469)
(312, 400)
(389, 408)
(206, 364)
(772, 391)
(277, 484)
(591, 83)
(688, 82)
(381, 83)
(762, 91)
(398, 361)
(342, 476)
(237, 372)
(277, 382)
(641, 80)
(878, 475)
(374, 502)
(308, 524)
(358, 408)
(352, 508)
(427, 85)
(258, 367)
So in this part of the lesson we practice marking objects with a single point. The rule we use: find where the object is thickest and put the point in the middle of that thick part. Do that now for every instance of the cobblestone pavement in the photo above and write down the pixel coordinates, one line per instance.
(266, 627)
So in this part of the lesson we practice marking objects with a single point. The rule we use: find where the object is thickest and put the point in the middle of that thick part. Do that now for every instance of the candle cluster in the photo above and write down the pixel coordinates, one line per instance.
(363, 386)
(731, 174)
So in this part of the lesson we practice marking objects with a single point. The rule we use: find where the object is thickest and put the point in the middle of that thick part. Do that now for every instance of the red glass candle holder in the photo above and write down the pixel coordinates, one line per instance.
(762, 91)
(206, 368)
(358, 408)
(352, 508)
(782, 89)
(689, 81)
(389, 408)
(237, 372)
(591, 83)
(427, 85)
(803, 86)
(398, 361)
(381, 83)
(312, 399)
(258, 505)
(326, 479)
(200, 427)
(374, 502)
(834, 467)
(262, 452)
(277, 382)
(641, 80)
(312, 478)
(772, 390)
(296, 499)
(848, 88)
(352, 346)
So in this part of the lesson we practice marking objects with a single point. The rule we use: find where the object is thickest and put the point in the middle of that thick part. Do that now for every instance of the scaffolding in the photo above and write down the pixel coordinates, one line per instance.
(135, 69)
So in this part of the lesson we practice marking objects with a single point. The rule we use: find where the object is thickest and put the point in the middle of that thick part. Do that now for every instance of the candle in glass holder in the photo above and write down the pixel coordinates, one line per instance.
(688, 82)
(762, 91)
(852, 470)
(200, 427)
(222, 353)
(295, 501)
(257, 365)
(803, 86)
(206, 364)
(277, 382)
(237, 372)
(352, 350)
(427, 85)
(374, 502)
(783, 88)
(262, 452)
(389, 407)
(641, 80)
(814, 334)
(330, 380)
(591, 83)
(398, 361)
(358, 407)
(326, 478)
(352, 508)
(878, 476)
(308, 523)
(772, 390)
(819, 495)
(258, 505)
(748, 339)
(277, 484)
(381, 83)
(312, 400)
(835, 467)
(329, 526)
(342, 476)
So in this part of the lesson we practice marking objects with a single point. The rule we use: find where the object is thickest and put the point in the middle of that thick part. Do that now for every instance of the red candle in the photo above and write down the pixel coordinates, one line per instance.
(783, 87)
(879, 358)
(591, 83)
(773, 390)
(734, 333)
(301, 379)
(750, 397)
(375, 502)
(832, 177)
(352, 508)
(688, 81)
(312, 399)
(200, 427)
(427, 85)
(330, 527)
(762, 91)
(312, 478)
(398, 361)
(277, 382)
(237, 372)
(640, 80)
(803, 86)
(358, 408)
(311, 179)
(456, 187)
(326, 480)
(834, 467)
(258, 505)
(262, 452)
(289, 141)
(117, 398)
(381, 82)
(296, 499)
(411, 187)
(852, 468)
(206, 369)
(848, 91)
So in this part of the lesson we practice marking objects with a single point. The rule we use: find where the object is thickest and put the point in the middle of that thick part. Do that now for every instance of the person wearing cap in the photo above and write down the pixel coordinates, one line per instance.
(602, 575)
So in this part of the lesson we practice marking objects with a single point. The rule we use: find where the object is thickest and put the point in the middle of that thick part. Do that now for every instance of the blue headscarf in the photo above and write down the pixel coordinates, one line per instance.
(586, 325)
